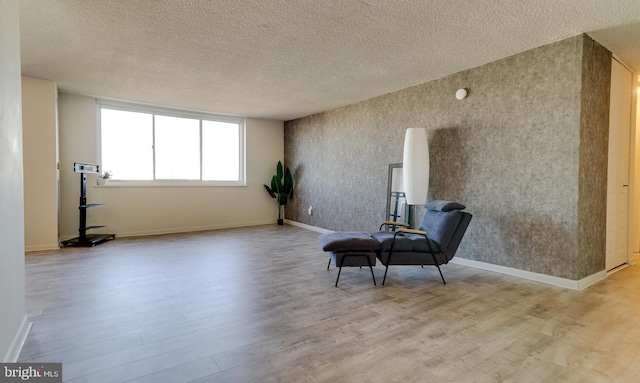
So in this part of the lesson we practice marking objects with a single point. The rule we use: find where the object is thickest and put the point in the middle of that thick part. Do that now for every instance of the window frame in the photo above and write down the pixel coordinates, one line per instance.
(156, 110)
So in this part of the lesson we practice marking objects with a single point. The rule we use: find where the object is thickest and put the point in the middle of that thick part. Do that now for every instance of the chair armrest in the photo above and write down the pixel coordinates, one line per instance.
(393, 223)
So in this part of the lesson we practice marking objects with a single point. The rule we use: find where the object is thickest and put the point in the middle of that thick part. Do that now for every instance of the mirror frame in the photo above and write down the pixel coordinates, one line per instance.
(387, 215)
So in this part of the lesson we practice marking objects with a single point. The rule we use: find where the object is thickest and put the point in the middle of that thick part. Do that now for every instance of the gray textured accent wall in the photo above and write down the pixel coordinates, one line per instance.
(526, 152)
(594, 144)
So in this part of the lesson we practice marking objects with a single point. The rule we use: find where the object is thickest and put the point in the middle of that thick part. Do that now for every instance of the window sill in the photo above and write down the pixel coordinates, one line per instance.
(170, 183)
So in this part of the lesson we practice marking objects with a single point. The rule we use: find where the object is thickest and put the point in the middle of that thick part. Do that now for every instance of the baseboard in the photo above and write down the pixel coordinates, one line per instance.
(178, 230)
(543, 278)
(32, 248)
(18, 341)
(308, 227)
(143, 233)
(591, 279)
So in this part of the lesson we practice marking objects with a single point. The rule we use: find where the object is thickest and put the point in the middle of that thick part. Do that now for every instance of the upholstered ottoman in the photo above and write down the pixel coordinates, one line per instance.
(350, 248)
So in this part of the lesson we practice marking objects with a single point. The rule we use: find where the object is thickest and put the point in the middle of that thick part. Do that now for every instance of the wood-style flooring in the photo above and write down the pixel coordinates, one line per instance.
(258, 305)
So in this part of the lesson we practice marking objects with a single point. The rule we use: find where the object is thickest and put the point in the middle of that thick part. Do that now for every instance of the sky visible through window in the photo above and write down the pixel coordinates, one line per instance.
(132, 140)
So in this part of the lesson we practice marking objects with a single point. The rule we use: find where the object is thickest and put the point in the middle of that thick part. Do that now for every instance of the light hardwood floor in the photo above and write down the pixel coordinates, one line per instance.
(258, 305)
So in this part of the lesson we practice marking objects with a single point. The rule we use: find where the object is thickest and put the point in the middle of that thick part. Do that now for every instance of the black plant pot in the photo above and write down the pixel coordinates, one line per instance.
(280, 221)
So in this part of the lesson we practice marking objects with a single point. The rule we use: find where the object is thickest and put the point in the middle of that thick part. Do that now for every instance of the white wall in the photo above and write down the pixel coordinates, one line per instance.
(13, 322)
(40, 156)
(132, 211)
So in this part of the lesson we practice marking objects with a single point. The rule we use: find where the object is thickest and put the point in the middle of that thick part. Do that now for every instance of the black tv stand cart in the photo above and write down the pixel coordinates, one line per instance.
(84, 239)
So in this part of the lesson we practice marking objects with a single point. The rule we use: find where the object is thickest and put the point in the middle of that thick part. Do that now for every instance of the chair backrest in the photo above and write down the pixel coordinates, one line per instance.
(445, 224)
(457, 236)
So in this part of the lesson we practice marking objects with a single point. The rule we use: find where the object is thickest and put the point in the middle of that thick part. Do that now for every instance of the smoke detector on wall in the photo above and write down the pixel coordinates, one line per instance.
(461, 94)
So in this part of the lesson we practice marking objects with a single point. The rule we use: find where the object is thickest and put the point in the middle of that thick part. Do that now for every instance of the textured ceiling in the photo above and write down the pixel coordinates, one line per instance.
(282, 59)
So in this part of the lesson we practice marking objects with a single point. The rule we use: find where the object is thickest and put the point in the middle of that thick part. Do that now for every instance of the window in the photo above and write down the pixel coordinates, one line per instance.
(165, 146)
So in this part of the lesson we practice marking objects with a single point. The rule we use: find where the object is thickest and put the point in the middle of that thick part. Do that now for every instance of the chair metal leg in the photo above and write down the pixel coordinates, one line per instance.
(389, 258)
(438, 266)
(371, 268)
(340, 267)
(385, 274)
(329, 264)
(353, 255)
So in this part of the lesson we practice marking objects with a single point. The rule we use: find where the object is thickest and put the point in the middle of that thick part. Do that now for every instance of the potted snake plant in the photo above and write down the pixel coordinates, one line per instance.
(281, 189)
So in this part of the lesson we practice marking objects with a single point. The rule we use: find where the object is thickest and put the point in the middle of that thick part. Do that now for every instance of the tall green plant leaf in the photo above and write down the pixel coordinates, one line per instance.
(276, 185)
(271, 193)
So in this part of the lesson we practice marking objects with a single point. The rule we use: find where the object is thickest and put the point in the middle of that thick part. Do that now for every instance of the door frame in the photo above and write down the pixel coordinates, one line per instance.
(633, 236)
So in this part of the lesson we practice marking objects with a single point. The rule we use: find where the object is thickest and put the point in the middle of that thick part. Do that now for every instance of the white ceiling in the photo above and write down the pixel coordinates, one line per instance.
(283, 59)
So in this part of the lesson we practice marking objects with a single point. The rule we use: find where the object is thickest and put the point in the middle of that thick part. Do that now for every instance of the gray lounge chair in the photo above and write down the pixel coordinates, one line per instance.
(434, 243)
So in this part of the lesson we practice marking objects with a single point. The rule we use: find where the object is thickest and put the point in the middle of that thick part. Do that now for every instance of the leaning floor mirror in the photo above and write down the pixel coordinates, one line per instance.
(397, 208)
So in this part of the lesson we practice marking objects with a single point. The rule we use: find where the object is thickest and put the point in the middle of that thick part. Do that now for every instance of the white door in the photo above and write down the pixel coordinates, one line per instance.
(618, 171)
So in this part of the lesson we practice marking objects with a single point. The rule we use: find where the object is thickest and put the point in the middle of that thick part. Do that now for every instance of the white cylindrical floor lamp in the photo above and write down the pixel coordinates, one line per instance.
(415, 166)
